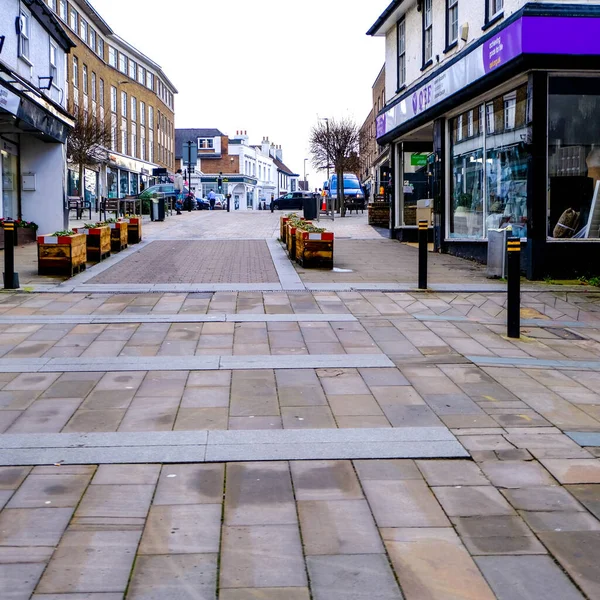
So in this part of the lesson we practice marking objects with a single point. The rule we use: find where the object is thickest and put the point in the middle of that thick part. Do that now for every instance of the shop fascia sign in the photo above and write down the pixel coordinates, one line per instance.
(9, 101)
(527, 35)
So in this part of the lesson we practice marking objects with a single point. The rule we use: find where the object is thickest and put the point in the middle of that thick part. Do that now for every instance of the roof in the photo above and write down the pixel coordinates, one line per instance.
(50, 23)
(385, 17)
(185, 135)
(281, 167)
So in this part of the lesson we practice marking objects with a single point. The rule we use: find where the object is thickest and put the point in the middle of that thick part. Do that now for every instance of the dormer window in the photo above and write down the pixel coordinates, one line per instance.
(206, 143)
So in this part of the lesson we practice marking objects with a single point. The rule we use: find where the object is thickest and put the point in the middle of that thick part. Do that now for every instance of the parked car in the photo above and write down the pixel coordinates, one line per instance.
(202, 204)
(168, 189)
(293, 200)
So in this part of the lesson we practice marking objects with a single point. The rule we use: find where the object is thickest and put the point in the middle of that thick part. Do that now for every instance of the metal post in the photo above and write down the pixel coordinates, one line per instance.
(11, 279)
(423, 231)
(513, 301)
(229, 202)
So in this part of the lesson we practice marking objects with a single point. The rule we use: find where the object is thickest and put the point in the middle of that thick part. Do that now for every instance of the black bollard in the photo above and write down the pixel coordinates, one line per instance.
(423, 231)
(513, 301)
(228, 201)
(11, 279)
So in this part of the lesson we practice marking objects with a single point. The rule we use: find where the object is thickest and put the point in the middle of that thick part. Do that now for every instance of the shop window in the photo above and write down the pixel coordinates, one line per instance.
(574, 157)
(401, 53)
(451, 22)
(123, 184)
(112, 183)
(489, 172)
(427, 31)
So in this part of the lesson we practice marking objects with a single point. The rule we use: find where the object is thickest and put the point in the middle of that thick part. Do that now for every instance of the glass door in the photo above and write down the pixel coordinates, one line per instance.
(10, 203)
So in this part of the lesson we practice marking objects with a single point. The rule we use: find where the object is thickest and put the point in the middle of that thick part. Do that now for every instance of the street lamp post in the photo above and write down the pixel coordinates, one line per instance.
(305, 174)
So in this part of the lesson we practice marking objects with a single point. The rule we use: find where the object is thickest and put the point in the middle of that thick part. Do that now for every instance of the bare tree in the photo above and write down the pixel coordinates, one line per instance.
(88, 142)
(335, 144)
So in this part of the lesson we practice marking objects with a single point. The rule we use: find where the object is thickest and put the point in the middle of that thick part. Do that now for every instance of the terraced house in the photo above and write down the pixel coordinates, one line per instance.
(464, 80)
(117, 83)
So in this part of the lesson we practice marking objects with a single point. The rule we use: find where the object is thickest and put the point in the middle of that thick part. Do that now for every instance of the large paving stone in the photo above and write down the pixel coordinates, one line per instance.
(126, 474)
(262, 556)
(407, 503)
(386, 469)
(116, 501)
(12, 477)
(17, 581)
(190, 484)
(182, 576)
(432, 563)
(451, 472)
(472, 501)
(43, 491)
(33, 526)
(338, 527)
(183, 529)
(574, 470)
(253, 393)
(542, 499)
(11, 555)
(296, 593)
(45, 416)
(92, 596)
(90, 561)
(579, 554)
(354, 577)
(588, 495)
(259, 494)
(325, 480)
(516, 474)
(561, 521)
(526, 578)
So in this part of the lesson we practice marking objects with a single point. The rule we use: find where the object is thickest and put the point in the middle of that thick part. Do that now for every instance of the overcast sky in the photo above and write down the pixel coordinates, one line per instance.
(270, 67)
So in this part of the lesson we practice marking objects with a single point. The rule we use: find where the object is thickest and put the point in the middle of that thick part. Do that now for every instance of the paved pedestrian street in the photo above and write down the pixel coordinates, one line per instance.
(197, 419)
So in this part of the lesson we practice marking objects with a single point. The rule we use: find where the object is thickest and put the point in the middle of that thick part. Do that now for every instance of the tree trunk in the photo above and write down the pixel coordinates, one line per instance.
(81, 182)
(340, 192)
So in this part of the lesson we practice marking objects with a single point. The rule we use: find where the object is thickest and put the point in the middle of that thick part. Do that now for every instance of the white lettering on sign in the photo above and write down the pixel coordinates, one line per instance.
(9, 101)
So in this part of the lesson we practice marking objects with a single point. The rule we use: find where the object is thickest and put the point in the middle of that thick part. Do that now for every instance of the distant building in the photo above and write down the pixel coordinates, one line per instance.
(252, 174)
(34, 122)
(114, 81)
(463, 83)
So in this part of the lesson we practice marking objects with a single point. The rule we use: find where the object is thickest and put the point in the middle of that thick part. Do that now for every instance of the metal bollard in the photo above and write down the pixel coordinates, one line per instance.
(228, 201)
(11, 279)
(513, 300)
(423, 230)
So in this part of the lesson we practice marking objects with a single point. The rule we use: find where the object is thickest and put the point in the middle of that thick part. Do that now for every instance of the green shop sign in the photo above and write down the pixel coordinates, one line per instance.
(418, 160)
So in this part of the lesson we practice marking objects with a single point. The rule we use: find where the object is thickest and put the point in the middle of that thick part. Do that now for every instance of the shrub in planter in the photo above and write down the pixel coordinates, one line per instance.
(314, 247)
(97, 240)
(62, 252)
(25, 232)
(134, 229)
(118, 235)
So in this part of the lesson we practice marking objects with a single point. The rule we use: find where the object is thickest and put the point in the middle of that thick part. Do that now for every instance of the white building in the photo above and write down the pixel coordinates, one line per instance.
(34, 122)
(463, 81)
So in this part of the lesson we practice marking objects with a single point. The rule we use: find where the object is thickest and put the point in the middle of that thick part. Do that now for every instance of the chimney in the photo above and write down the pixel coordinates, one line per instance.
(278, 153)
(264, 147)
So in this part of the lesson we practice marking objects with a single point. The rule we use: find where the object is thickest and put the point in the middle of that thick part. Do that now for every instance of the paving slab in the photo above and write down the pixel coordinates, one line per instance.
(588, 495)
(560, 521)
(182, 529)
(116, 501)
(17, 581)
(472, 501)
(55, 491)
(526, 578)
(33, 526)
(575, 470)
(181, 576)
(263, 556)
(352, 577)
(90, 561)
(542, 499)
(516, 474)
(325, 480)
(450, 472)
(295, 593)
(190, 484)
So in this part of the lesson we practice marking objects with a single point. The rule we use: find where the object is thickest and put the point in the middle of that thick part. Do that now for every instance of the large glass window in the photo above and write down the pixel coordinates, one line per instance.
(574, 157)
(112, 182)
(123, 183)
(489, 168)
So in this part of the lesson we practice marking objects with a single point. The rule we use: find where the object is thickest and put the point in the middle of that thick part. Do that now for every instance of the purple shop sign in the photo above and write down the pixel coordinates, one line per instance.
(561, 35)
(503, 47)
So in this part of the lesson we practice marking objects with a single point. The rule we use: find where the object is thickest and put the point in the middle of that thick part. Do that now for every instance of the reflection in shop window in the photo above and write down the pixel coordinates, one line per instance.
(574, 157)
(123, 184)
(111, 182)
(491, 193)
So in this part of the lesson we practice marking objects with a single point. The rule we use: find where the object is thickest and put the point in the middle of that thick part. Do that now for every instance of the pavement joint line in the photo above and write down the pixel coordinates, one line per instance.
(178, 318)
(498, 361)
(542, 323)
(288, 277)
(192, 363)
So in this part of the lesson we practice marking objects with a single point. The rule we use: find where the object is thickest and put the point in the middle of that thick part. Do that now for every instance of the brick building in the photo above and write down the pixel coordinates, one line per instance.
(117, 83)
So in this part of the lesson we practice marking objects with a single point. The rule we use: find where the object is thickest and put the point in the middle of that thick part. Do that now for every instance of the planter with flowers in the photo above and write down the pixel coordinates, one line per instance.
(61, 252)
(314, 247)
(119, 233)
(134, 229)
(291, 227)
(97, 240)
(25, 232)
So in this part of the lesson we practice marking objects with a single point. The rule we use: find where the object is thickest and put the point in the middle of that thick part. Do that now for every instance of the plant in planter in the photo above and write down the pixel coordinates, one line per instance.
(314, 246)
(134, 228)
(97, 240)
(293, 223)
(118, 234)
(62, 252)
(24, 232)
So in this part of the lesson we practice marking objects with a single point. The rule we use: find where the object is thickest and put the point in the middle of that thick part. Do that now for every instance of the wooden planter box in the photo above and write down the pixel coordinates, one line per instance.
(379, 214)
(283, 228)
(119, 233)
(314, 250)
(134, 229)
(97, 242)
(24, 235)
(64, 255)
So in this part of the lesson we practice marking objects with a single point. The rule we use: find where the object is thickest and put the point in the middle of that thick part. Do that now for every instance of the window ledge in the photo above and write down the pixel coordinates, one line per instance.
(427, 64)
(400, 89)
(451, 46)
(493, 21)
(26, 60)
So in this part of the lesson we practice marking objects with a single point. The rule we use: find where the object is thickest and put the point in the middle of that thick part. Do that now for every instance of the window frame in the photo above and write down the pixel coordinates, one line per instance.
(83, 30)
(62, 10)
(24, 35)
(114, 99)
(134, 108)
(451, 41)
(509, 106)
(124, 107)
(75, 73)
(74, 27)
(132, 67)
(401, 80)
(84, 79)
(113, 58)
(53, 62)
(99, 49)
(122, 63)
(94, 87)
(492, 17)
(490, 123)
(427, 29)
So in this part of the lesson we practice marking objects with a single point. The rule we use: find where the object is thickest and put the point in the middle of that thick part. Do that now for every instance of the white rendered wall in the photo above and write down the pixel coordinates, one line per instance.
(45, 206)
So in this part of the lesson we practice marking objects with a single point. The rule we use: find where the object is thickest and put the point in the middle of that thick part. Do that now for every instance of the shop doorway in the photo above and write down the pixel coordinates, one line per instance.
(10, 199)
(415, 182)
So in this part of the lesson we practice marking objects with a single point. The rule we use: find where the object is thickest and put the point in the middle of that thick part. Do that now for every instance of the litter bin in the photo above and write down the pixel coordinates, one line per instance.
(496, 254)
(157, 207)
(310, 208)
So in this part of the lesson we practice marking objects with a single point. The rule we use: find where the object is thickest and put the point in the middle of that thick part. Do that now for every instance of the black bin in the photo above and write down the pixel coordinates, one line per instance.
(157, 209)
(310, 208)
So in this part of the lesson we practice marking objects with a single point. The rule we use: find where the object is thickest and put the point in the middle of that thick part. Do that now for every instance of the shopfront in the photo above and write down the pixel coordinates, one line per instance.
(126, 176)
(466, 141)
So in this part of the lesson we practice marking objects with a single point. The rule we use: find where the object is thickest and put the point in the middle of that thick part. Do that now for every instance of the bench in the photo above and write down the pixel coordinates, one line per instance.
(110, 205)
(78, 204)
